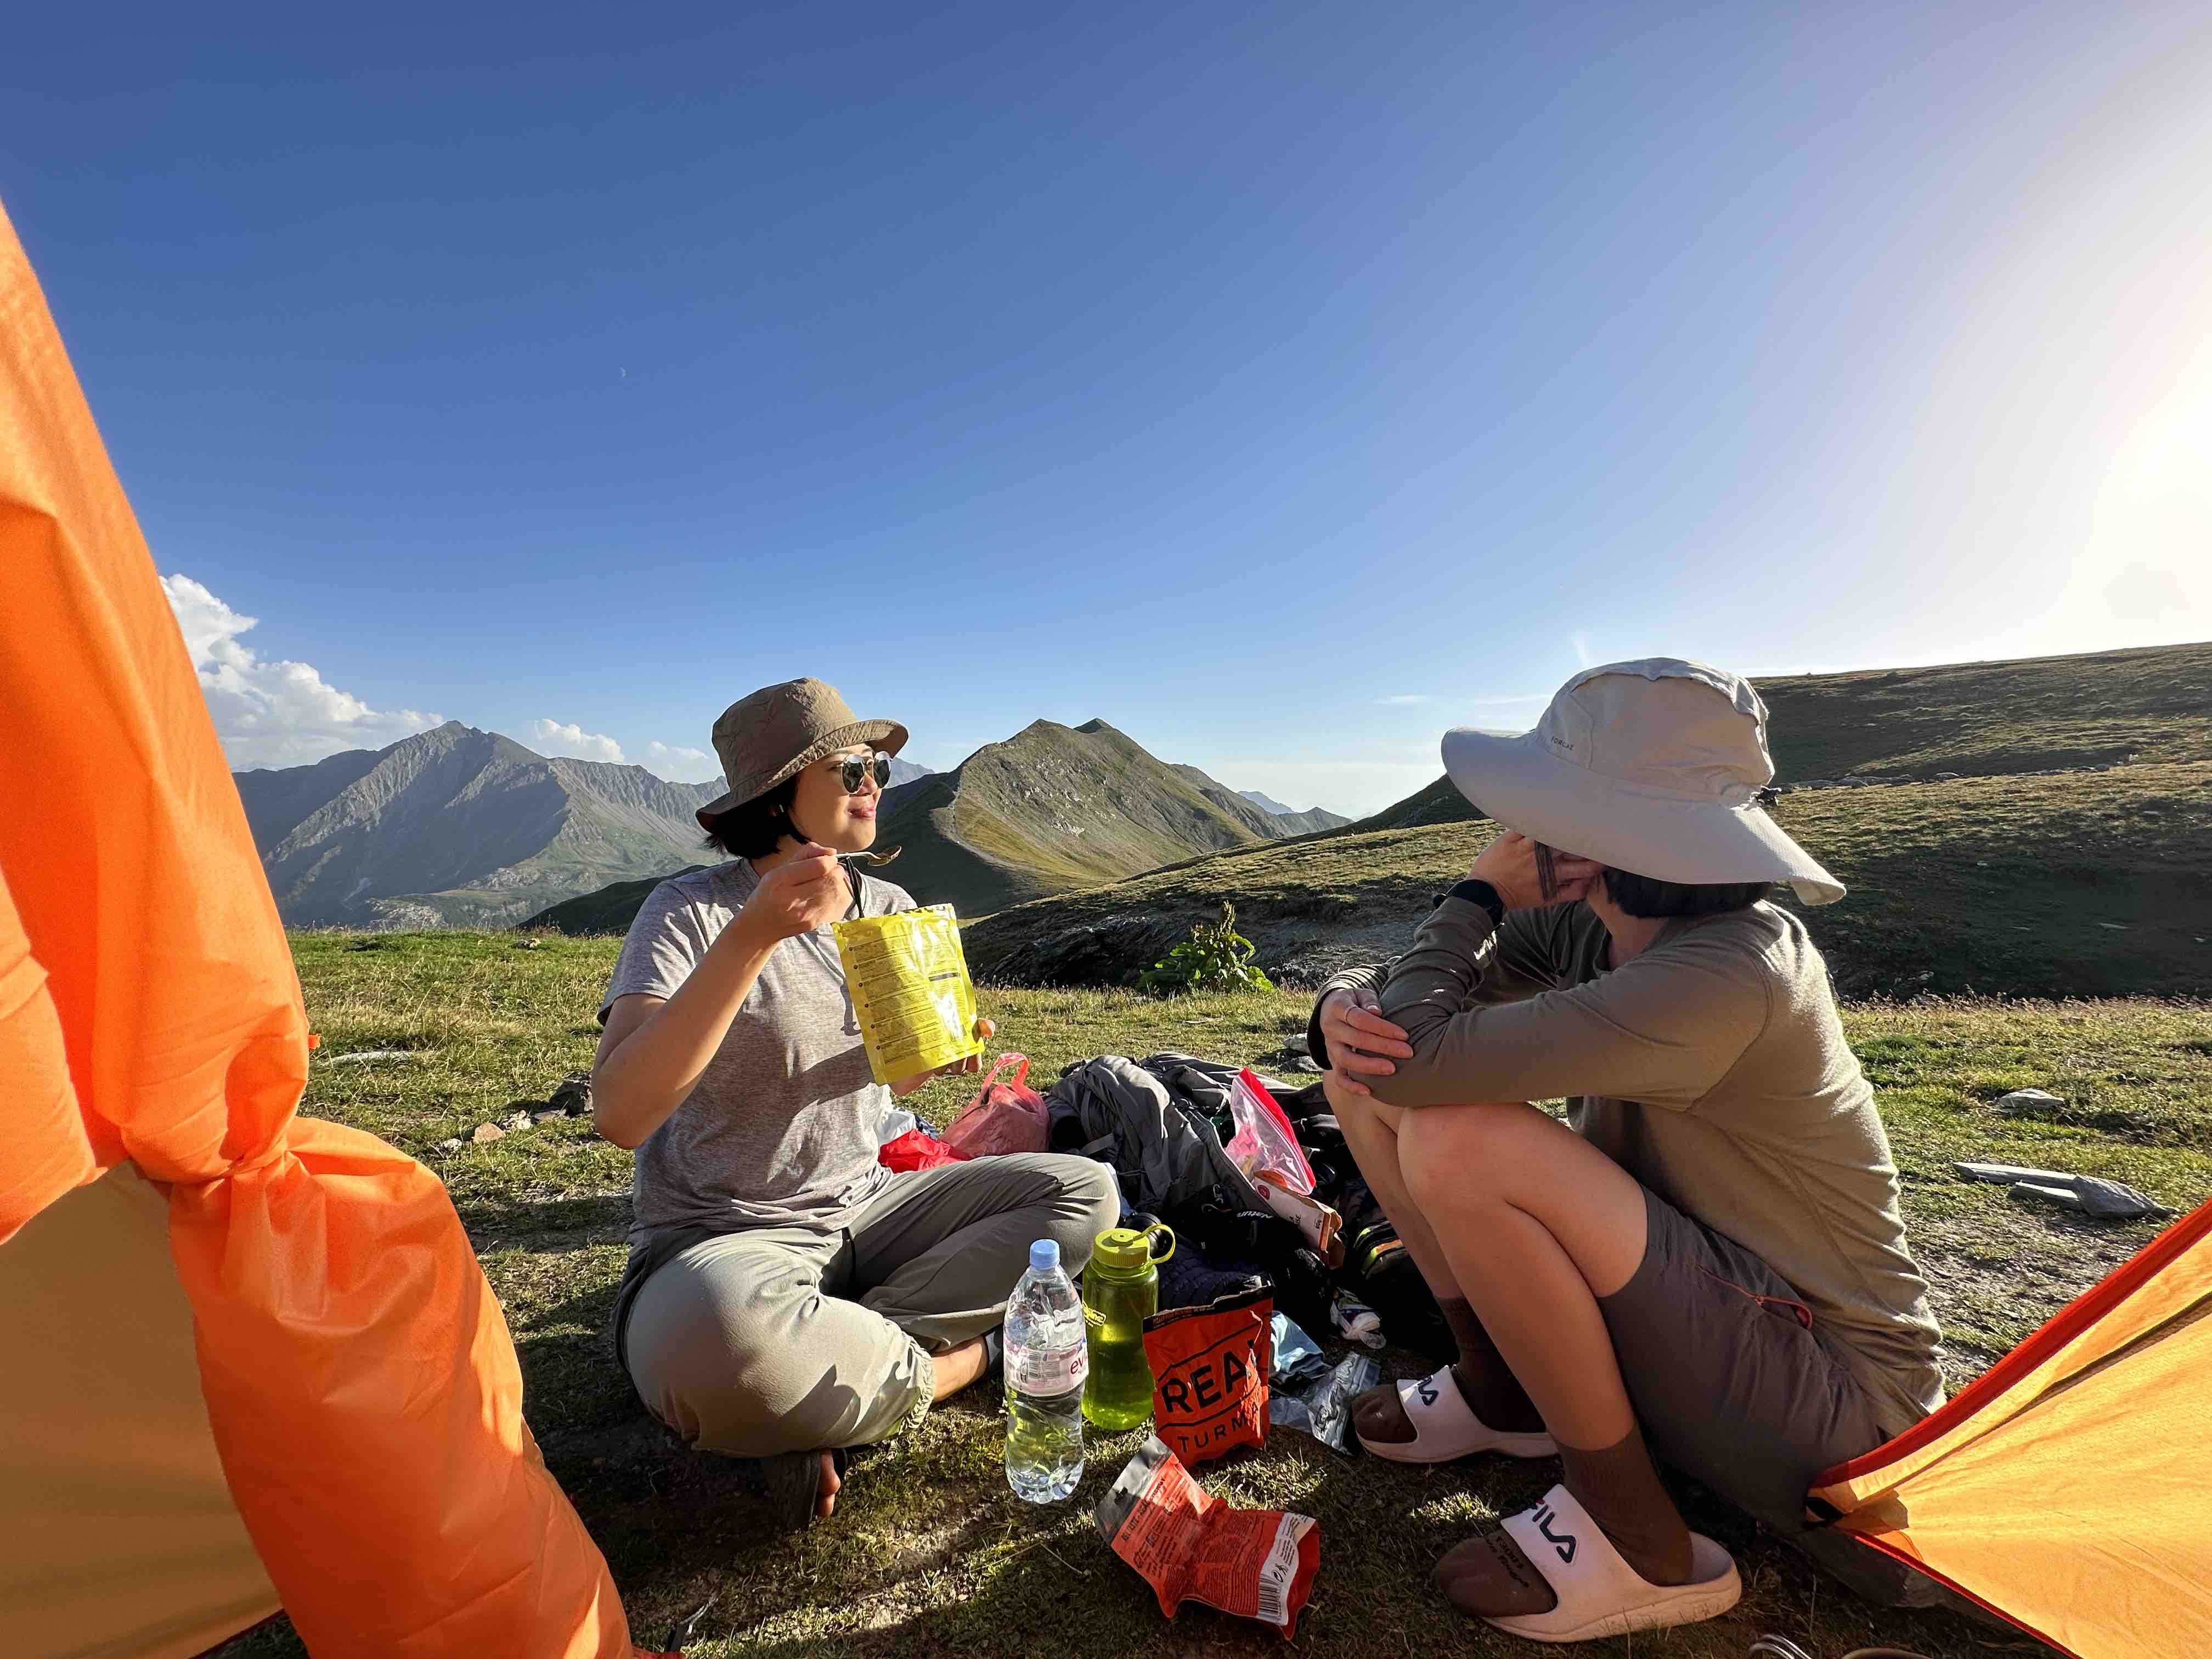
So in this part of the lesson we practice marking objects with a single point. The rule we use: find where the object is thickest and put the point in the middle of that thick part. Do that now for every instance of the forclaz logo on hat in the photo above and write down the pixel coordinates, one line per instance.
(1210, 1369)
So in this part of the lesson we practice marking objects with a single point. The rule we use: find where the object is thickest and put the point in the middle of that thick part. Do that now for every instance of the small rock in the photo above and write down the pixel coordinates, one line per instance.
(519, 1121)
(2029, 1100)
(1306, 1063)
(526, 944)
(450, 1143)
(359, 1056)
(548, 1117)
(487, 1132)
(1296, 1044)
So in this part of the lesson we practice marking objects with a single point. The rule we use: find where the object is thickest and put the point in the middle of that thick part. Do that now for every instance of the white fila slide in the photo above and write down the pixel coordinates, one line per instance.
(1445, 1427)
(1599, 1593)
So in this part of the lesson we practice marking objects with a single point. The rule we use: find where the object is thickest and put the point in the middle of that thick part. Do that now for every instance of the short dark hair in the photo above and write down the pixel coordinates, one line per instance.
(756, 828)
(1649, 897)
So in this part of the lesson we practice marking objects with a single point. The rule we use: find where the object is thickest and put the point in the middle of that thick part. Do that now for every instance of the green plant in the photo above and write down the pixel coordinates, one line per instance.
(1215, 957)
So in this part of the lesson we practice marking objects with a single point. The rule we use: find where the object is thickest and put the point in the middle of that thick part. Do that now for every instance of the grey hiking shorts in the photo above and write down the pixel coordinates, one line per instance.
(1732, 1388)
(1729, 1382)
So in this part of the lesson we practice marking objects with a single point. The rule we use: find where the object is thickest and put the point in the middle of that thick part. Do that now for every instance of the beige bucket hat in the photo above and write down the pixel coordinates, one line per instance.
(778, 732)
(1651, 766)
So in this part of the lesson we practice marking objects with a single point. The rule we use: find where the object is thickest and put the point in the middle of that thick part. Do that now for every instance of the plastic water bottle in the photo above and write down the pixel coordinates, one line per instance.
(1047, 1364)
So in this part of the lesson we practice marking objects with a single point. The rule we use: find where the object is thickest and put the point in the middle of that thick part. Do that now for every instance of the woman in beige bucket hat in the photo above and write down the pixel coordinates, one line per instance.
(785, 1297)
(1709, 1250)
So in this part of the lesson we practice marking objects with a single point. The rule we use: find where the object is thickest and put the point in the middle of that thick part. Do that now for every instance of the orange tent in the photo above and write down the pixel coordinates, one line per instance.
(2064, 1490)
(256, 1361)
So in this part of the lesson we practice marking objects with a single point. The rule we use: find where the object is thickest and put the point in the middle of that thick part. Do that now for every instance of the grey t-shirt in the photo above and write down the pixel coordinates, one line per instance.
(783, 1126)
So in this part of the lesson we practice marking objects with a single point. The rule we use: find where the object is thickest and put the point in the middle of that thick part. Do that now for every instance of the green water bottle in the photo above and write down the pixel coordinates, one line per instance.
(1121, 1291)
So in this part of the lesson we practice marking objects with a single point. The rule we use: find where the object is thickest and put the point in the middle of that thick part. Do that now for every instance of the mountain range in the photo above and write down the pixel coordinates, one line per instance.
(456, 827)
(1295, 822)
(1057, 807)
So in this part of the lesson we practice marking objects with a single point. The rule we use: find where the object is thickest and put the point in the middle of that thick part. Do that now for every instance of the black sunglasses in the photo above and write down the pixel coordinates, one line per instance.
(853, 771)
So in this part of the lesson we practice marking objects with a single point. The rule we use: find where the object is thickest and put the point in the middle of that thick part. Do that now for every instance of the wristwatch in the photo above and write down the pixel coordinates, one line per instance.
(1482, 893)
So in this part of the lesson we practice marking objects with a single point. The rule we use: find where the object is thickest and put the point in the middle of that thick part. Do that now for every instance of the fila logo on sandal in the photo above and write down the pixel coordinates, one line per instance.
(1563, 1541)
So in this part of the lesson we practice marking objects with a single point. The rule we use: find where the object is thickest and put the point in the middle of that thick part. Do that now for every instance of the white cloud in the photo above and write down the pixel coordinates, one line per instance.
(552, 738)
(274, 713)
(681, 765)
(1583, 651)
(1405, 699)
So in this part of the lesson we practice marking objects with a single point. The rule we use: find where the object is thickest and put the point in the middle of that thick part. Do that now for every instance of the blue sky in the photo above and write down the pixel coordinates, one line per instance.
(1283, 384)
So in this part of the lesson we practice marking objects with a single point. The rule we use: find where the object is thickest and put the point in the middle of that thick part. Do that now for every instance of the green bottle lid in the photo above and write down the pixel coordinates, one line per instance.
(1126, 1252)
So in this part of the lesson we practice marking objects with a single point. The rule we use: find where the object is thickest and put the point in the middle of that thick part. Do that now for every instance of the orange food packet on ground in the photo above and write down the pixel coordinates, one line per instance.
(1191, 1546)
(1210, 1369)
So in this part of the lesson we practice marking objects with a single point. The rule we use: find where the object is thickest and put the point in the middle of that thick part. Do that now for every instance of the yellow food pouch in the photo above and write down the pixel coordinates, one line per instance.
(909, 980)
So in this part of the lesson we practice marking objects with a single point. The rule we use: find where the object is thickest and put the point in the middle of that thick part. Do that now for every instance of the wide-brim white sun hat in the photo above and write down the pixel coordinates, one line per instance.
(1651, 766)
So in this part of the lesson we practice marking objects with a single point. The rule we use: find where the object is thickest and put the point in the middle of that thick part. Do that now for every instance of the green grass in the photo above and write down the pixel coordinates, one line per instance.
(929, 1555)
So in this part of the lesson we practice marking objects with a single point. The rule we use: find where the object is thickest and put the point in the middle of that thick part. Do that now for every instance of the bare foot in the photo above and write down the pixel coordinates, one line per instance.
(956, 1368)
(825, 1494)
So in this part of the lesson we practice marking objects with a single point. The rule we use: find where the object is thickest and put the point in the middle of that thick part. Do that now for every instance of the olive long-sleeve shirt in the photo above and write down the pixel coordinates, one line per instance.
(1712, 1068)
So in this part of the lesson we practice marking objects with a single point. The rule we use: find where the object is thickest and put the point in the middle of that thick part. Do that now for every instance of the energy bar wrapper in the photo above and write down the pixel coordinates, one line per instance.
(1191, 1546)
(909, 980)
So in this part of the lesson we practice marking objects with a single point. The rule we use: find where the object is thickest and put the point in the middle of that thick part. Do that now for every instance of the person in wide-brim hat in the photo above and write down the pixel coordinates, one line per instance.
(765, 741)
(1658, 767)
(787, 1297)
(1709, 1251)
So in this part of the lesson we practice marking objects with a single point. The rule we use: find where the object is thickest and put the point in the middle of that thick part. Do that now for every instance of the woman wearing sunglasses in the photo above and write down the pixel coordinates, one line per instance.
(786, 1295)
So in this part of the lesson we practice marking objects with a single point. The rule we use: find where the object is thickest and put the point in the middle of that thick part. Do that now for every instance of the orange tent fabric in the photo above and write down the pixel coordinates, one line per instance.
(2064, 1490)
(359, 1377)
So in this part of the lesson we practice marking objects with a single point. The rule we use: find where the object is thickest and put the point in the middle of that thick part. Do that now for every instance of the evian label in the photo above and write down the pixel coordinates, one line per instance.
(1047, 1371)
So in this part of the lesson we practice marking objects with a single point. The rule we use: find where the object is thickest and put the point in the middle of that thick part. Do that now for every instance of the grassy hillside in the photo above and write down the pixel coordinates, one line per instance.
(928, 1557)
(2039, 713)
(2087, 883)
(1976, 717)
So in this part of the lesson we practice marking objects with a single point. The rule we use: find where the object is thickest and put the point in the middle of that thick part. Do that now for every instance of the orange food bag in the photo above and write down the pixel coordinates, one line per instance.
(1210, 1368)
(1191, 1546)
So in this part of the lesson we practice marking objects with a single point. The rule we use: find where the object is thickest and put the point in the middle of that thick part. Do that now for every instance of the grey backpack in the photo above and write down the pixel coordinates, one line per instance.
(1161, 1147)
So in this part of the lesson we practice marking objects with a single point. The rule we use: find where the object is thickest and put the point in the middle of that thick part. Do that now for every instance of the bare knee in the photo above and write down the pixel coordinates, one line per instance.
(1360, 1115)
(1461, 1151)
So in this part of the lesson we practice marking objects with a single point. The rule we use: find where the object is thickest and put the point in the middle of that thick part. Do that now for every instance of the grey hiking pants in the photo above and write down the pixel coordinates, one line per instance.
(789, 1339)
